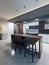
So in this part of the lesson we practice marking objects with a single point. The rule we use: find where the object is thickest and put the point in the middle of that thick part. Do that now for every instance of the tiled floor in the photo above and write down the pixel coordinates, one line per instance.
(7, 59)
(4, 52)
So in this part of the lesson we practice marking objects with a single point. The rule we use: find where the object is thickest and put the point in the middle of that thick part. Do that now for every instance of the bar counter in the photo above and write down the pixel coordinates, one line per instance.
(33, 37)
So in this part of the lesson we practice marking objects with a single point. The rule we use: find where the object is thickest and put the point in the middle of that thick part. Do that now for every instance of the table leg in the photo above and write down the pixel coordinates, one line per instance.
(40, 48)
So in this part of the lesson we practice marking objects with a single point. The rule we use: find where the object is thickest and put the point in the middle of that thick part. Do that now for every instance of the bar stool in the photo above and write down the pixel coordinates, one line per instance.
(28, 49)
(16, 43)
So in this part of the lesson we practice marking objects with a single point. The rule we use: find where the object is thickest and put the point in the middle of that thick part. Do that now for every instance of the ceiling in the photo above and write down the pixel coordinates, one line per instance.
(41, 13)
(13, 8)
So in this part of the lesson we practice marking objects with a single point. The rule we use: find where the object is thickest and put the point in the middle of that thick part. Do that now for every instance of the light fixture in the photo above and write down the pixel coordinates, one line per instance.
(36, 19)
(24, 21)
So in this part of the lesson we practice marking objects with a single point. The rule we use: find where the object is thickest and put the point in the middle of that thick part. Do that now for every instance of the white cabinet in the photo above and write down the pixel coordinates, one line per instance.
(47, 38)
(44, 37)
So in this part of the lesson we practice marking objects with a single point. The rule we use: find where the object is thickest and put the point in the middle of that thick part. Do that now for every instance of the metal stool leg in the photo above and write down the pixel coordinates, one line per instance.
(32, 54)
(25, 51)
(20, 49)
(35, 48)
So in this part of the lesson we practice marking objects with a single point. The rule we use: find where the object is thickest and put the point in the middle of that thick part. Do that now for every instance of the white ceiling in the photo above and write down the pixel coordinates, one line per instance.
(13, 8)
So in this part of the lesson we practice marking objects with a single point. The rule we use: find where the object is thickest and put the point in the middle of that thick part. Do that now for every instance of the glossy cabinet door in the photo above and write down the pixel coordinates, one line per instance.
(44, 40)
(47, 38)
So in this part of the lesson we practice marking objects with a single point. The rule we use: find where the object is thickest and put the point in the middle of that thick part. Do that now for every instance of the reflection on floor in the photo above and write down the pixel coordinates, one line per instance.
(7, 59)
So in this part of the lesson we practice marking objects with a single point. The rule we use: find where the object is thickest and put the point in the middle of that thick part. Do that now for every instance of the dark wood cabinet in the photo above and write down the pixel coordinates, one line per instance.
(42, 26)
(20, 27)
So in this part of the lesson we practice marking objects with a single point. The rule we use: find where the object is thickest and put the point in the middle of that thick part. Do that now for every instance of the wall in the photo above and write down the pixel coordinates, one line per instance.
(8, 30)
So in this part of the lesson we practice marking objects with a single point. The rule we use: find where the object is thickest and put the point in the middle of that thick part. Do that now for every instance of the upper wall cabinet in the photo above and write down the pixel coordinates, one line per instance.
(31, 27)
(44, 26)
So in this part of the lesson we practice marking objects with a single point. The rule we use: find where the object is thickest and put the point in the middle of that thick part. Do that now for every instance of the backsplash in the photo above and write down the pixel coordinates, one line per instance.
(32, 31)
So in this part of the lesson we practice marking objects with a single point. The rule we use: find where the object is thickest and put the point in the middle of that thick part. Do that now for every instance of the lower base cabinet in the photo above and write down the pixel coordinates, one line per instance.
(45, 38)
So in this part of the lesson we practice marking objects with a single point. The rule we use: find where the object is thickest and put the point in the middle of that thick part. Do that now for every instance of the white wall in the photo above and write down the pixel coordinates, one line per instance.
(9, 30)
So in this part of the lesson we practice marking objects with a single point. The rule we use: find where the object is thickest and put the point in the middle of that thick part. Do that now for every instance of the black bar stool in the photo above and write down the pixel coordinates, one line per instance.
(30, 49)
(16, 42)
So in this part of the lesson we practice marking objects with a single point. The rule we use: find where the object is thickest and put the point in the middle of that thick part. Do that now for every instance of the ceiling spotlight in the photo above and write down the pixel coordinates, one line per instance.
(36, 0)
(17, 10)
(24, 6)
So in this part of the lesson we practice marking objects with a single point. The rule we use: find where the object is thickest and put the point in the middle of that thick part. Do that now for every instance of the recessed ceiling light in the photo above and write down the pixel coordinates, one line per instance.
(24, 6)
(17, 10)
(36, 0)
